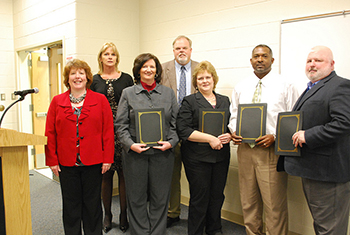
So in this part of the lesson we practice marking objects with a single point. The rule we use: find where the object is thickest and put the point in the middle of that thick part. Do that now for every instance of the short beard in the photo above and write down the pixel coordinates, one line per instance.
(182, 61)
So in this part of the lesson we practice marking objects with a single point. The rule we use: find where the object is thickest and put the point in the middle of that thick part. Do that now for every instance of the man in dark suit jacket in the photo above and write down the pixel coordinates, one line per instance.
(324, 165)
(182, 48)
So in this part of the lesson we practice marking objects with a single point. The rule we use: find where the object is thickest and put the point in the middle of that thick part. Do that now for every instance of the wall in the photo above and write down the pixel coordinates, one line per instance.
(102, 21)
(224, 32)
(7, 66)
(81, 25)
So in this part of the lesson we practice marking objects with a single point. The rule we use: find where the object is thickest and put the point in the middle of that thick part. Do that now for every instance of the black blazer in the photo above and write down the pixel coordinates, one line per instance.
(326, 121)
(188, 120)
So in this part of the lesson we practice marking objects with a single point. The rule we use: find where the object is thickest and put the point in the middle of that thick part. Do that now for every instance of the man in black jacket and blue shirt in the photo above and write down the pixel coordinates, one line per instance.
(324, 165)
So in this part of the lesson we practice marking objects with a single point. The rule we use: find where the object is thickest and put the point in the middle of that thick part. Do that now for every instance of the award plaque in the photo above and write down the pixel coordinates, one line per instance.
(212, 121)
(287, 124)
(251, 121)
(149, 126)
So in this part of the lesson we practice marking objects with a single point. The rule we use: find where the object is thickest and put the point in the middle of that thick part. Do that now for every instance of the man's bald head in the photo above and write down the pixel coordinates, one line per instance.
(319, 63)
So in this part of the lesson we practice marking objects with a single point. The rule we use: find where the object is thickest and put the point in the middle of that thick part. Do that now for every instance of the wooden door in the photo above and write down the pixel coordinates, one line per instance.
(56, 69)
(40, 101)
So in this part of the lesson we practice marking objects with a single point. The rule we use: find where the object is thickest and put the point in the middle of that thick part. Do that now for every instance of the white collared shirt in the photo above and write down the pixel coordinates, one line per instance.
(277, 92)
(188, 77)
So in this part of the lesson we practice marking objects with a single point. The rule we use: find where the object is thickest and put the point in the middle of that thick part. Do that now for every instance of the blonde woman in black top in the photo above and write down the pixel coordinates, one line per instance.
(111, 82)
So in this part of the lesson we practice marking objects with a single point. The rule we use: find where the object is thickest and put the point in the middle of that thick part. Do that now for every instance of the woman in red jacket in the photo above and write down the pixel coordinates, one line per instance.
(80, 148)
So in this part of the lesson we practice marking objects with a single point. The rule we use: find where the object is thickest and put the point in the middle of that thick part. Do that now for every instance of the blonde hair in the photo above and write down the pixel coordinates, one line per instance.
(201, 68)
(103, 49)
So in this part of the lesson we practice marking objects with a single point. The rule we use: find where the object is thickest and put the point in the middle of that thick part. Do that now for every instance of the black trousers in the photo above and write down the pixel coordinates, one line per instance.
(207, 182)
(81, 195)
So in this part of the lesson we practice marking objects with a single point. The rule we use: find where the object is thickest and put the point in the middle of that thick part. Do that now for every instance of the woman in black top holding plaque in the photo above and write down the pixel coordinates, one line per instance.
(148, 170)
(205, 156)
(111, 82)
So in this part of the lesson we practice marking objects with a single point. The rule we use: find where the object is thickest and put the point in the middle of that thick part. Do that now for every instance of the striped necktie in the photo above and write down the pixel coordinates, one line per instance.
(182, 85)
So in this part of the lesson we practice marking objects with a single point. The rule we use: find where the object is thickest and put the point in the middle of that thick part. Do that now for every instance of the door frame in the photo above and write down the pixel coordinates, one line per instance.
(23, 81)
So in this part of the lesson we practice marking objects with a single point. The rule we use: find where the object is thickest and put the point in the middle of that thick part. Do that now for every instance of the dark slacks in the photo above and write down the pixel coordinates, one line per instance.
(207, 182)
(329, 204)
(81, 194)
(148, 179)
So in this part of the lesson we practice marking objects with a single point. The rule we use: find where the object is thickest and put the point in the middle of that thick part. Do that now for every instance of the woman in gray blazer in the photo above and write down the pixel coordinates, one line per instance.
(147, 170)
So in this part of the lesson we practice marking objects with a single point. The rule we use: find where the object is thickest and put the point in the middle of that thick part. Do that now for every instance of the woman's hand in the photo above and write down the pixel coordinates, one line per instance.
(106, 167)
(215, 143)
(164, 145)
(139, 148)
(55, 169)
(236, 138)
(225, 138)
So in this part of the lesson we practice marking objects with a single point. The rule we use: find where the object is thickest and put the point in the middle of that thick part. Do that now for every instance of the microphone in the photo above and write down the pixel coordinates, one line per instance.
(22, 94)
(25, 92)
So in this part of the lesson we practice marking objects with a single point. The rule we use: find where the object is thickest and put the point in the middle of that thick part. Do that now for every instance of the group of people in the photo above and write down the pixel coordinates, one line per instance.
(92, 132)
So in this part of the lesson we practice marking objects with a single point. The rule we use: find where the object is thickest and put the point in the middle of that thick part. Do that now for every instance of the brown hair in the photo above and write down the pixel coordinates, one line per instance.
(201, 68)
(183, 36)
(77, 64)
(140, 61)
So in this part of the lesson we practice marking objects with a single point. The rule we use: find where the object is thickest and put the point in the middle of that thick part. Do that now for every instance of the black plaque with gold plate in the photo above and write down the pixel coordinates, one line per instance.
(251, 121)
(149, 126)
(287, 124)
(212, 121)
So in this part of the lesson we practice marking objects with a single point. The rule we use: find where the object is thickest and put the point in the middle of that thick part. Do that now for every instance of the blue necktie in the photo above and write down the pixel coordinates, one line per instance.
(182, 85)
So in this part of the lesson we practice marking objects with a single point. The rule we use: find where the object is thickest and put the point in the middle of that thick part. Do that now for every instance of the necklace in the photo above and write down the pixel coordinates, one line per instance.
(211, 98)
(76, 100)
(110, 80)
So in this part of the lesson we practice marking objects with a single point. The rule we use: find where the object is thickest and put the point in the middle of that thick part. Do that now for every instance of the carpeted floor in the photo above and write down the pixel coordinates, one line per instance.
(46, 205)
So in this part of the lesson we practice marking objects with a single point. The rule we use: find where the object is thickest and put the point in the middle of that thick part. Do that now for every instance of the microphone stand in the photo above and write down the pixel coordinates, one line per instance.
(2, 117)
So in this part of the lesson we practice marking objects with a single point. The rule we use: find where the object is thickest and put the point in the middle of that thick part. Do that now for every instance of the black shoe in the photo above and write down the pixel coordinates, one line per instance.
(123, 227)
(170, 221)
(107, 228)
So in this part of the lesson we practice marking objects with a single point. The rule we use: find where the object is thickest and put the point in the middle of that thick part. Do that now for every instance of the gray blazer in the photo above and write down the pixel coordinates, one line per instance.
(169, 75)
(136, 97)
(326, 121)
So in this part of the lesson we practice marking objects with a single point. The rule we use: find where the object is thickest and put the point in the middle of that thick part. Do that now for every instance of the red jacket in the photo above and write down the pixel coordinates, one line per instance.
(96, 131)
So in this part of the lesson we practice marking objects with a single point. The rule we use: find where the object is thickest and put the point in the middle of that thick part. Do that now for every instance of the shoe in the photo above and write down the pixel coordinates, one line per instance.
(125, 227)
(107, 223)
(107, 228)
(170, 221)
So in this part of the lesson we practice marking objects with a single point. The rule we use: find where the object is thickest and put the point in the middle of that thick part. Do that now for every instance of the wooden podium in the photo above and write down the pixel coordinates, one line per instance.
(15, 180)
